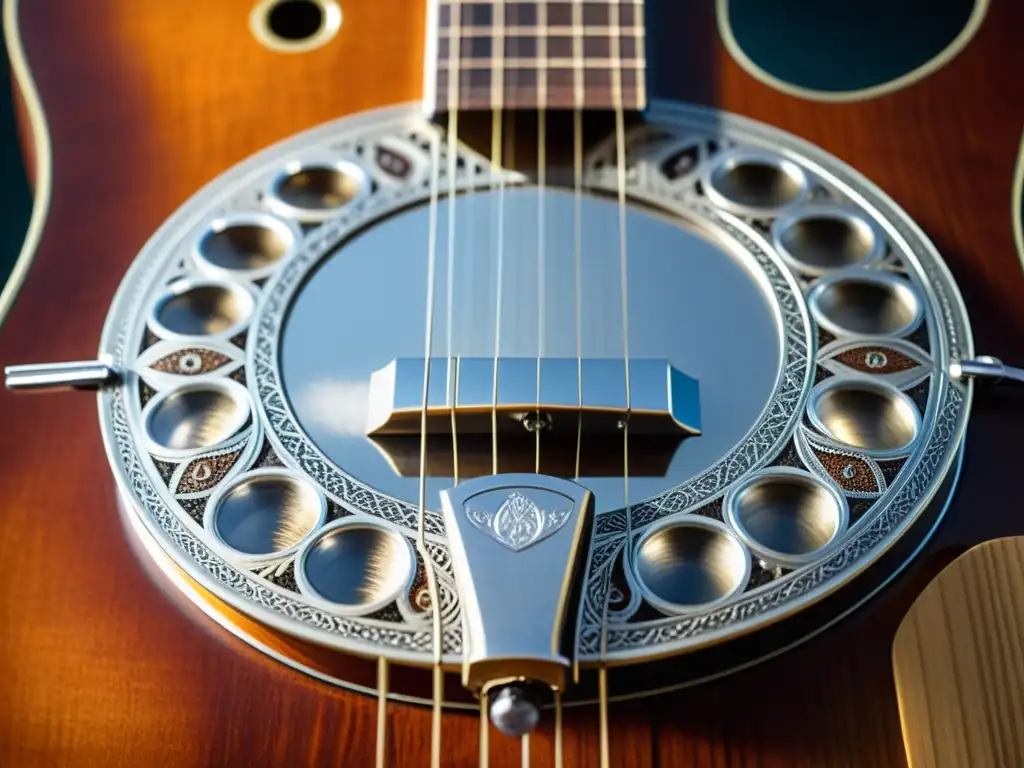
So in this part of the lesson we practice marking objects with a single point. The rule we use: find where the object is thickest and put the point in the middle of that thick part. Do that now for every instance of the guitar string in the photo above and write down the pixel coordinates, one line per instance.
(485, 731)
(496, 141)
(620, 167)
(428, 567)
(454, 76)
(577, 171)
(498, 178)
(542, 95)
(454, 83)
(382, 713)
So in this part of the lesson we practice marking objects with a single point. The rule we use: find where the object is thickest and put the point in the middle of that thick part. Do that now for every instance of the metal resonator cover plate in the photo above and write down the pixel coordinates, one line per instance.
(817, 319)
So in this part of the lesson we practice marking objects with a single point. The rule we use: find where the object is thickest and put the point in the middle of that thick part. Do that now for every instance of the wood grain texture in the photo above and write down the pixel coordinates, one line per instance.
(959, 662)
(101, 665)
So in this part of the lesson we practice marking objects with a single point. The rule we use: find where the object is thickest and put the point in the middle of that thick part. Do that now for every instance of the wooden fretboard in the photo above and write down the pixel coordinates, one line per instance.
(558, 54)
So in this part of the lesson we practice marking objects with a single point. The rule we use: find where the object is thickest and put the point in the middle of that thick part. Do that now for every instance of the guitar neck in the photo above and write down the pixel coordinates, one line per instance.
(562, 54)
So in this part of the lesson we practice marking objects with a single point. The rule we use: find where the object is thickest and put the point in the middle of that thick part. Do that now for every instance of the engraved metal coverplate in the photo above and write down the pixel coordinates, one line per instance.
(816, 320)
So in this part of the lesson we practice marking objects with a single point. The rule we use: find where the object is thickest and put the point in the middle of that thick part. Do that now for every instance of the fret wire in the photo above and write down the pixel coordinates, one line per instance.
(559, 63)
(512, 56)
(540, 30)
(382, 713)
(608, 3)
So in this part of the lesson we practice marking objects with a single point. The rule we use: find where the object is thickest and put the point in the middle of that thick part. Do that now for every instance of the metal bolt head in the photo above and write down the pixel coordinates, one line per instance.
(515, 710)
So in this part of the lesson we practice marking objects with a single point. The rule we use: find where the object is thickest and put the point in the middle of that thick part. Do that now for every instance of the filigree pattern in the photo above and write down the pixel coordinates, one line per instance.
(897, 362)
(858, 476)
(518, 522)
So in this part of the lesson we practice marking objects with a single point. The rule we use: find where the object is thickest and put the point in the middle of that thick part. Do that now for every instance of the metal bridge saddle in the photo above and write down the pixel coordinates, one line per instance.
(517, 545)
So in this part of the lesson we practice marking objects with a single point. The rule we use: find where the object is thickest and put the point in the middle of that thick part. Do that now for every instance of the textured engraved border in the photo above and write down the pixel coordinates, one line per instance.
(759, 445)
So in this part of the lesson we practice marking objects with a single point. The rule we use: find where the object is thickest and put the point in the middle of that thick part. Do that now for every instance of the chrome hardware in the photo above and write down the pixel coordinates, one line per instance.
(517, 544)
(515, 708)
(87, 375)
(986, 367)
(661, 399)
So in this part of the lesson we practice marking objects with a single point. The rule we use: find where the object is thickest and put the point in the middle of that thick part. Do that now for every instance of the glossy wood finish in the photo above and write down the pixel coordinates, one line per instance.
(959, 662)
(102, 665)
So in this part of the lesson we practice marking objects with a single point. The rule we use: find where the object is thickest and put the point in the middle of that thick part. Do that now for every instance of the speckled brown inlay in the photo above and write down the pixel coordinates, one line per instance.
(206, 471)
(876, 360)
(190, 362)
(851, 472)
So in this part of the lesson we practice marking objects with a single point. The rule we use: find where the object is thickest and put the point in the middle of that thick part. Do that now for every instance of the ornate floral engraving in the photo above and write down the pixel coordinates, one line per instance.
(519, 522)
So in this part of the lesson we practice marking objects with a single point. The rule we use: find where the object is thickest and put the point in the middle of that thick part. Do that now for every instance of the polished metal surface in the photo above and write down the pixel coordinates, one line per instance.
(682, 279)
(690, 564)
(514, 711)
(562, 396)
(314, 190)
(821, 238)
(861, 302)
(518, 544)
(89, 375)
(195, 416)
(201, 308)
(987, 368)
(749, 181)
(264, 515)
(246, 244)
(787, 516)
(354, 566)
(866, 414)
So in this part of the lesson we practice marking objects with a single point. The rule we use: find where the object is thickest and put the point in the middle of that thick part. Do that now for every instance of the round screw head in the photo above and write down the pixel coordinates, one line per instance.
(514, 710)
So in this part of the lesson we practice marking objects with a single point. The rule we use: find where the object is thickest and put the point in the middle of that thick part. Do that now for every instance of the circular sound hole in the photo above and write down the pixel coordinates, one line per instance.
(786, 515)
(691, 565)
(197, 417)
(295, 20)
(822, 241)
(202, 309)
(245, 246)
(868, 415)
(753, 182)
(266, 513)
(359, 567)
(866, 304)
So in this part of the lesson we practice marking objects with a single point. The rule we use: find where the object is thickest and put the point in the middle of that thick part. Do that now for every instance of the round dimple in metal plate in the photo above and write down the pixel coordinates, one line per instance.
(820, 239)
(866, 414)
(690, 564)
(749, 181)
(196, 416)
(355, 567)
(866, 302)
(201, 308)
(314, 191)
(245, 244)
(786, 515)
(680, 279)
(266, 512)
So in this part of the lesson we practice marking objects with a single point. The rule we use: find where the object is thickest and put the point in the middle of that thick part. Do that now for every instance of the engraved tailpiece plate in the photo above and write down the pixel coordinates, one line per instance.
(517, 544)
(825, 422)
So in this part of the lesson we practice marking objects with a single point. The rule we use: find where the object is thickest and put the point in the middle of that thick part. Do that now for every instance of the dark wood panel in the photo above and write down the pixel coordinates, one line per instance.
(146, 102)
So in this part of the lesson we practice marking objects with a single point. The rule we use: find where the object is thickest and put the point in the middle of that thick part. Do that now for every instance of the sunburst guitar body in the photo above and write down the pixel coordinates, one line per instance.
(551, 383)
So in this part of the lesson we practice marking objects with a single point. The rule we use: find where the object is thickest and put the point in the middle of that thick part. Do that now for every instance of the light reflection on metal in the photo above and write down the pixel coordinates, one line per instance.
(662, 400)
(517, 543)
